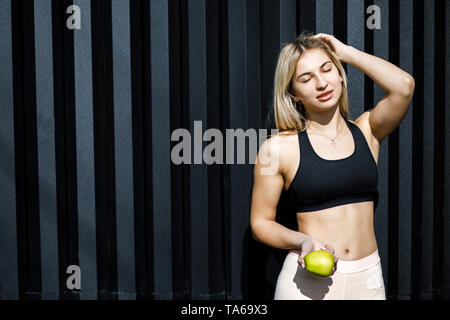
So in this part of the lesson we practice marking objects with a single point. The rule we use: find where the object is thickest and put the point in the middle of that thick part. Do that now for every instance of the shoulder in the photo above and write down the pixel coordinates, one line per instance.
(277, 148)
(277, 143)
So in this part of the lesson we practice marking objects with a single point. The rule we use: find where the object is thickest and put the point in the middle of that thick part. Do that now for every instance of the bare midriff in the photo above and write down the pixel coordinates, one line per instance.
(348, 229)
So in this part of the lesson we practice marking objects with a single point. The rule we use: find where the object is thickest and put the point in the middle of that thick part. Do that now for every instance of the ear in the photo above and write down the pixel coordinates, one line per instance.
(295, 98)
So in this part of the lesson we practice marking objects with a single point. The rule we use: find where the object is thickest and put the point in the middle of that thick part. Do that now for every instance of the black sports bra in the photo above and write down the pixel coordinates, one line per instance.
(320, 183)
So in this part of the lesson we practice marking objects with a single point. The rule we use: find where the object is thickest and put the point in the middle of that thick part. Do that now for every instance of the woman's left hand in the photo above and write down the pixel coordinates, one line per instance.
(339, 49)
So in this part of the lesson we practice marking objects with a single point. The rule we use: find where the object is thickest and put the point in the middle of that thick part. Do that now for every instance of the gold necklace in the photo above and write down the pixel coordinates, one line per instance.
(332, 140)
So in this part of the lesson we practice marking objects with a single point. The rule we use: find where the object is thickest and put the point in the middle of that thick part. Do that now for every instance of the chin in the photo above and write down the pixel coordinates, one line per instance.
(328, 104)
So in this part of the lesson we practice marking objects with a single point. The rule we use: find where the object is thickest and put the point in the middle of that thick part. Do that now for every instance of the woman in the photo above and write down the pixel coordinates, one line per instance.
(327, 164)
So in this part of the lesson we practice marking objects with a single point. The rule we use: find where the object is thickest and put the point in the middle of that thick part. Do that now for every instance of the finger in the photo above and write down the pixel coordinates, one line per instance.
(328, 248)
(302, 257)
(321, 36)
(301, 261)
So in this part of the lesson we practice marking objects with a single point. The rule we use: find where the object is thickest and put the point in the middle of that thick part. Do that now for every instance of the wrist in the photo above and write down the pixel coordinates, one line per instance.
(349, 53)
(313, 243)
(305, 239)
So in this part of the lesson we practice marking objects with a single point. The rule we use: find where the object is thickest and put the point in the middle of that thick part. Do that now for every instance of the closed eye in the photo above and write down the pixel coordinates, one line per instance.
(306, 80)
(324, 70)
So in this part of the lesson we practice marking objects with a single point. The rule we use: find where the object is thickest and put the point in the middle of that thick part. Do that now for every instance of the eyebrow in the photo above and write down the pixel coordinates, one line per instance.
(305, 73)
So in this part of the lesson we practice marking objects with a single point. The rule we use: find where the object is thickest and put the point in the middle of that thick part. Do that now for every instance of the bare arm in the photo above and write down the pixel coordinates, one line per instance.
(398, 85)
(267, 189)
(266, 193)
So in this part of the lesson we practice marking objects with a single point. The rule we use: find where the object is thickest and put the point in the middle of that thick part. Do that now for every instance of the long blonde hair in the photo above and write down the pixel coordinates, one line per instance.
(286, 115)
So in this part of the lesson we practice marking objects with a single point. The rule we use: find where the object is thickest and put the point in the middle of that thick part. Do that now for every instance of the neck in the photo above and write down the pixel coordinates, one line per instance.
(327, 123)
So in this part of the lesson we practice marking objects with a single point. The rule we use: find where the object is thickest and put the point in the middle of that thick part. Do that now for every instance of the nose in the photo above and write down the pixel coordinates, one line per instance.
(321, 84)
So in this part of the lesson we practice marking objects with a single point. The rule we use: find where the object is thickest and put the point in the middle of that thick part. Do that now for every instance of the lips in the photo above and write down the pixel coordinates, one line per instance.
(325, 96)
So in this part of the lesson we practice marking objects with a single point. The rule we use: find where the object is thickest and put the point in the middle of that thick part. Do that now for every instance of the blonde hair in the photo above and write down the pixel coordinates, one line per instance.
(286, 115)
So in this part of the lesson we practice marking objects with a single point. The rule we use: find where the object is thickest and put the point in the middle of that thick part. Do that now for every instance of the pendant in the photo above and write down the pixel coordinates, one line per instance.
(332, 142)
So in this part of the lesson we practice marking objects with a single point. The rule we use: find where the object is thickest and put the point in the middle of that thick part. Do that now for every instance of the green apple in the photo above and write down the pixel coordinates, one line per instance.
(320, 263)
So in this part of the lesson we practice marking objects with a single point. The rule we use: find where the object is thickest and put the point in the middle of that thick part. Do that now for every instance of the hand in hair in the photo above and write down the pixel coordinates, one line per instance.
(339, 49)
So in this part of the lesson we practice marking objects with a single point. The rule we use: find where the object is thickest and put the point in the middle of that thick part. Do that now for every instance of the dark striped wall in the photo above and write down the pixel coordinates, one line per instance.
(86, 176)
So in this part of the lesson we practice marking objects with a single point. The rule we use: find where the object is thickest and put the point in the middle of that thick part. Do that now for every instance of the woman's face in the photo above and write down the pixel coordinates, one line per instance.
(317, 82)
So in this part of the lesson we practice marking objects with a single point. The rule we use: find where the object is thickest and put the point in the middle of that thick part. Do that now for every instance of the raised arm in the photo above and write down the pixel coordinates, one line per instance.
(398, 85)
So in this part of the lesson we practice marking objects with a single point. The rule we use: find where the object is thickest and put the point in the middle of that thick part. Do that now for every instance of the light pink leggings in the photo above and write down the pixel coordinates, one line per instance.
(353, 280)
